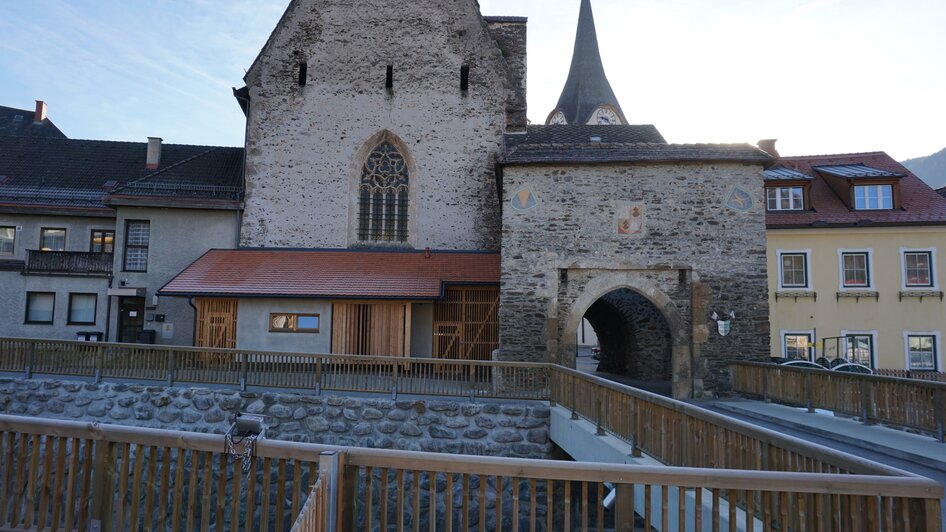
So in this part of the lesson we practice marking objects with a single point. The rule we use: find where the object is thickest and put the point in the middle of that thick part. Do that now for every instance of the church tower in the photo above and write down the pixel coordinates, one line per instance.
(587, 97)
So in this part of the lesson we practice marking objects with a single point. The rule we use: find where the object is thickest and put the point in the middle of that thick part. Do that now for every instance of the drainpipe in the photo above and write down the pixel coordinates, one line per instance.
(190, 301)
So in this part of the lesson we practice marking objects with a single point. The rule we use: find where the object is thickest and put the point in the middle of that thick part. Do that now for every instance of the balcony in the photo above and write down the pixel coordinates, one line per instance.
(68, 263)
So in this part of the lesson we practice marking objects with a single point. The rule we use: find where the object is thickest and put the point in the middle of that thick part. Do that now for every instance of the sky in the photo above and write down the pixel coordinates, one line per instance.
(822, 76)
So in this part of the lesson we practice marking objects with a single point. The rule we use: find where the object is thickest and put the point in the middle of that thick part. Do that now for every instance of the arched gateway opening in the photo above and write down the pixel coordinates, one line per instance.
(634, 340)
(644, 339)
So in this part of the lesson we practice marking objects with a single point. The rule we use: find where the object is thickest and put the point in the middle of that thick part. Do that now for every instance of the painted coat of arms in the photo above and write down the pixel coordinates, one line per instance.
(631, 220)
(524, 199)
(739, 200)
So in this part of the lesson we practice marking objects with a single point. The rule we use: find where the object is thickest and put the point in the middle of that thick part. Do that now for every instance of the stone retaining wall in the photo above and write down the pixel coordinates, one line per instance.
(431, 425)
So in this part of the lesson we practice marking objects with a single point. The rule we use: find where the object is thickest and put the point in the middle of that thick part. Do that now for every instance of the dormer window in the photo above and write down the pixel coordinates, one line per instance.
(873, 197)
(790, 198)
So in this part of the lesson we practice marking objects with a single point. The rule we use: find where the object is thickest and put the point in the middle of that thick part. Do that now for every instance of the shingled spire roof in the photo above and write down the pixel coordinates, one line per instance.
(587, 87)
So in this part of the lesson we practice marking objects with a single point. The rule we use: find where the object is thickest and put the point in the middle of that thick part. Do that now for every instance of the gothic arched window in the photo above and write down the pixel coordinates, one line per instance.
(382, 196)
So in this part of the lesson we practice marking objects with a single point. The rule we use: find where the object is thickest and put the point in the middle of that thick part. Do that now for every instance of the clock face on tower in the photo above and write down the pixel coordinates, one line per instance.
(604, 116)
(557, 119)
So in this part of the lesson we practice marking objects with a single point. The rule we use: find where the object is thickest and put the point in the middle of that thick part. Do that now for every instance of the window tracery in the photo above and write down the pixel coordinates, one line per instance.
(383, 196)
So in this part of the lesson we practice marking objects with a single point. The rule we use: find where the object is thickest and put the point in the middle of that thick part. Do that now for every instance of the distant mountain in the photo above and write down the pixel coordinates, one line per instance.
(931, 168)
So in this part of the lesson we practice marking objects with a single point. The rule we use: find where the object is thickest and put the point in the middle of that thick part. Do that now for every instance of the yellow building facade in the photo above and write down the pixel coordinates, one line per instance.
(856, 262)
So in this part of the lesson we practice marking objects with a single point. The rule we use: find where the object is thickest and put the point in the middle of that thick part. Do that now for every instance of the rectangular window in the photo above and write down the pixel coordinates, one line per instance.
(294, 323)
(7, 240)
(794, 268)
(856, 270)
(860, 349)
(137, 238)
(52, 239)
(797, 346)
(103, 241)
(82, 309)
(785, 198)
(873, 197)
(918, 269)
(922, 355)
(40, 307)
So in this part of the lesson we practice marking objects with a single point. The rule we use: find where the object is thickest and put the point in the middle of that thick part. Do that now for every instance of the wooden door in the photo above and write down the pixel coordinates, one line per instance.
(376, 329)
(466, 323)
(216, 322)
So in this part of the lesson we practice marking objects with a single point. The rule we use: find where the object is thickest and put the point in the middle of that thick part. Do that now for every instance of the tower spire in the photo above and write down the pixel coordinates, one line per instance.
(587, 89)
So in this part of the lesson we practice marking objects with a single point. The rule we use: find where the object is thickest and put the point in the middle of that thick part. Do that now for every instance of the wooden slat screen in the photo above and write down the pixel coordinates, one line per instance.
(216, 323)
(375, 329)
(466, 323)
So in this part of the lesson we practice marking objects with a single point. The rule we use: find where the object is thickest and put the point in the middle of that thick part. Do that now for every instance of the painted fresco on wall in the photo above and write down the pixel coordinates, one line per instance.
(739, 200)
(631, 220)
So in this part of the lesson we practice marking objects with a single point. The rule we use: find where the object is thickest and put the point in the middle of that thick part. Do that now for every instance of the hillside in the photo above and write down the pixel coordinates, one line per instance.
(931, 168)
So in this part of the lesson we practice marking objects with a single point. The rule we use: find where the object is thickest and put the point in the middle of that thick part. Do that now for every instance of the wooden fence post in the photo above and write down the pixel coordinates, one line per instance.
(171, 365)
(244, 367)
(329, 464)
(599, 429)
(866, 401)
(939, 412)
(808, 393)
(574, 398)
(395, 375)
(30, 353)
(623, 508)
(347, 494)
(99, 362)
(103, 482)
(765, 385)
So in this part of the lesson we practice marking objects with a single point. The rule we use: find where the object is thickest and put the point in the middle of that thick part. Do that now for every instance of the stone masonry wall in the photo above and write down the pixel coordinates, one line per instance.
(693, 248)
(457, 427)
(306, 145)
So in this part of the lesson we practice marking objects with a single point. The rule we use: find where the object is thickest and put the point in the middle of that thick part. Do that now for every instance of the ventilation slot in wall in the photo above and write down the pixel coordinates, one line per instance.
(389, 79)
(465, 78)
(303, 73)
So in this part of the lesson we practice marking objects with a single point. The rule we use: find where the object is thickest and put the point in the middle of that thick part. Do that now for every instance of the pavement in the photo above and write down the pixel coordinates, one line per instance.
(585, 363)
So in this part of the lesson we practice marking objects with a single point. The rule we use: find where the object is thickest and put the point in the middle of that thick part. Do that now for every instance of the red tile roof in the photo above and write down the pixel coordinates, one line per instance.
(332, 274)
(921, 205)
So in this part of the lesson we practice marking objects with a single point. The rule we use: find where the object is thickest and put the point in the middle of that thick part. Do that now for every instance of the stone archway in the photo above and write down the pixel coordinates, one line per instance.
(596, 292)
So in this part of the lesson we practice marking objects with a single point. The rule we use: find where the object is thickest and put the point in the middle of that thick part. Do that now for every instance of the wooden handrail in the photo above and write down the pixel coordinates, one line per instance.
(910, 403)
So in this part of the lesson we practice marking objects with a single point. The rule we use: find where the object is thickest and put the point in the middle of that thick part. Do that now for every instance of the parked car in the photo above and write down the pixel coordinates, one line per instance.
(853, 367)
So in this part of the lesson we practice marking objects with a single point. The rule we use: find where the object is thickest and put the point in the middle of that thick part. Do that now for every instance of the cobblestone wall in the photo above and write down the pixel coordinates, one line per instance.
(457, 427)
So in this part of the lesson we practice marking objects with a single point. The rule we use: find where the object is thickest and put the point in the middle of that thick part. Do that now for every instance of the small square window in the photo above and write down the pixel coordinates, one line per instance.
(103, 241)
(873, 197)
(40, 307)
(856, 270)
(7, 240)
(922, 355)
(82, 309)
(794, 270)
(52, 240)
(797, 346)
(918, 269)
(785, 198)
(860, 349)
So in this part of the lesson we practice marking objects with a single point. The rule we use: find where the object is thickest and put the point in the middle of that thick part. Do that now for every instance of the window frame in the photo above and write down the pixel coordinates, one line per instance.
(104, 232)
(877, 186)
(937, 354)
(869, 266)
(95, 309)
(126, 246)
(811, 341)
(931, 252)
(809, 282)
(295, 321)
(778, 198)
(873, 345)
(26, 315)
(13, 251)
(65, 237)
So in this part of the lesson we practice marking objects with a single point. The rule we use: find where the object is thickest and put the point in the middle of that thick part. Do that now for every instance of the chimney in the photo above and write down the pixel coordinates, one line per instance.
(154, 153)
(768, 146)
(40, 111)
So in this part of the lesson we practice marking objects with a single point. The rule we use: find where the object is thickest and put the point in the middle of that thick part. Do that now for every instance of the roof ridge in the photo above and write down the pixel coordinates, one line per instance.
(829, 155)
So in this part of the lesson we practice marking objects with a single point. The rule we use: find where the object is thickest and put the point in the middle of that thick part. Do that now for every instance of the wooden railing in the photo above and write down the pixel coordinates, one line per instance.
(369, 489)
(681, 434)
(245, 369)
(68, 475)
(68, 262)
(907, 403)
(935, 376)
